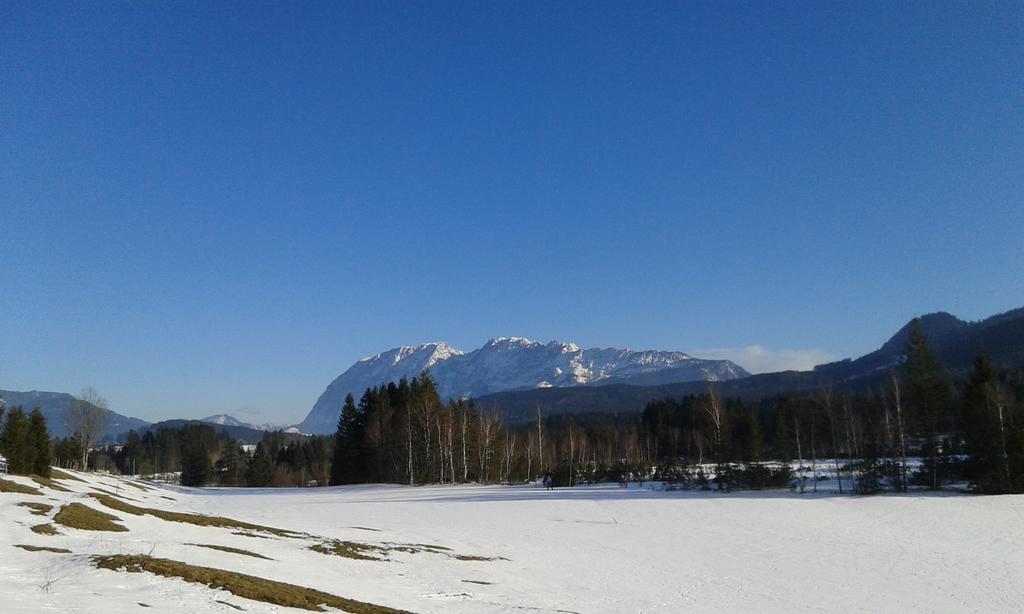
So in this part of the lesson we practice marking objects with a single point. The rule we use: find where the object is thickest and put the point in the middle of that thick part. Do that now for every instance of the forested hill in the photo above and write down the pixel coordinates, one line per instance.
(55, 407)
(955, 341)
(243, 434)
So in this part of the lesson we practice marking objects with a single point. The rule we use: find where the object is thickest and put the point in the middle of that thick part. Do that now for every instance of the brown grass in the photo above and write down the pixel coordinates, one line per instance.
(39, 509)
(21, 489)
(232, 550)
(373, 552)
(113, 494)
(139, 486)
(351, 550)
(42, 549)
(241, 585)
(45, 529)
(78, 516)
(243, 533)
(196, 519)
(57, 474)
(49, 483)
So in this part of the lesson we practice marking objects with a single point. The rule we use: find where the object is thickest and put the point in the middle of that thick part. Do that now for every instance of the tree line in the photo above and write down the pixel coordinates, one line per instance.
(206, 456)
(25, 441)
(920, 428)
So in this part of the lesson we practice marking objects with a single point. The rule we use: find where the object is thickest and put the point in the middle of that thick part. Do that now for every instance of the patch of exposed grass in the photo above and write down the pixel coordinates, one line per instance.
(417, 548)
(241, 585)
(373, 552)
(196, 519)
(42, 549)
(39, 509)
(49, 483)
(78, 516)
(232, 550)
(478, 582)
(57, 474)
(113, 494)
(45, 529)
(351, 550)
(21, 489)
(168, 498)
(139, 486)
(231, 605)
(430, 547)
(366, 529)
(251, 534)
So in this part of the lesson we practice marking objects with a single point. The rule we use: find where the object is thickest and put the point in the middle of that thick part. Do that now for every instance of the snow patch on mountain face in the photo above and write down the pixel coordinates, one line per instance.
(507, 363)
(226, 420)
(435, 352)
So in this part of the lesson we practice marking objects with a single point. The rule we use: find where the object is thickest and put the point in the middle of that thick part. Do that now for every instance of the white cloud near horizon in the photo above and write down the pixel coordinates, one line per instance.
(760, 359)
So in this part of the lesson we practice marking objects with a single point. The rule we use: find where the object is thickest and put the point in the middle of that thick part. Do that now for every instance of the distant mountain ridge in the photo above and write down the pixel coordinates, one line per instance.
(510, 363)
(600, 380)
(55, 407)
(226, 420)
(241, 433)
(956, 341)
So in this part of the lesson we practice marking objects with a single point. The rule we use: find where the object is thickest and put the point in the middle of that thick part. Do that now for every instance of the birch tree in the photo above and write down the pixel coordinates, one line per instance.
(87, 418)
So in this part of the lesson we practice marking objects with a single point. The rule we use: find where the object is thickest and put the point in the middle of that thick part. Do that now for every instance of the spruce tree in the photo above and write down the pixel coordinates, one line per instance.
(928, 394)
(196, 468)
(229, 466)
(261, 468)
(345, 462)
(995, 441)
(39, 441)
(15, 443)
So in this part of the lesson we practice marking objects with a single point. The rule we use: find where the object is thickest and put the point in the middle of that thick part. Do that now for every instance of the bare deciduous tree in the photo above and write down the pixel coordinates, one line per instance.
(996, 395)
(713, 410)
(826, 401)
(897, 399)
(540, 442)
(86, 420)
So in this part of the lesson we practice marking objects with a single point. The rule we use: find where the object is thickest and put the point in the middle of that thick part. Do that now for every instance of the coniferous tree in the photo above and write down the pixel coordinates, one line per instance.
(38, 439)
(196, 468)
(229, 467)
(995, 443)
(15, 443)
(348, 439)
(928, 394)
(67, 452)
(261, 468)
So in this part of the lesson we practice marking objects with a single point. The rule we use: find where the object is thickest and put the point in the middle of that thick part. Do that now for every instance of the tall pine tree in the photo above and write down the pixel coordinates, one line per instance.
(995, 441)
(196, 468)
(15, 443)
(346, 462)
(261, 468)
(928, 395)
(38, 438)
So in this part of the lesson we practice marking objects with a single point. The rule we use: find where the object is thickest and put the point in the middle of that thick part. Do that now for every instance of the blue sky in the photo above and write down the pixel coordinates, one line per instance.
(217, 208)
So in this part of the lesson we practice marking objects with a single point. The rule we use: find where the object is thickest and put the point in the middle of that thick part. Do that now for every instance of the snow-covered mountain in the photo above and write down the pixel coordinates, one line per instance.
(226, 420)
(509, 363)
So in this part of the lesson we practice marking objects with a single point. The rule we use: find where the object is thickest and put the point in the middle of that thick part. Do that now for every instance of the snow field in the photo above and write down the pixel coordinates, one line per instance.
(588, 549)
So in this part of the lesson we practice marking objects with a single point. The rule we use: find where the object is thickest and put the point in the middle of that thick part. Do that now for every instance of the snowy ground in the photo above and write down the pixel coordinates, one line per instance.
(591, 549)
